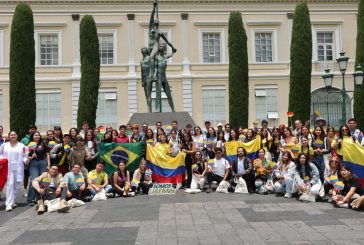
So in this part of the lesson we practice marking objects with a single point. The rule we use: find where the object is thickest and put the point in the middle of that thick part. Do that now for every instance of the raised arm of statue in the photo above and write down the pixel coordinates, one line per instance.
(166, 40)
(151, 22)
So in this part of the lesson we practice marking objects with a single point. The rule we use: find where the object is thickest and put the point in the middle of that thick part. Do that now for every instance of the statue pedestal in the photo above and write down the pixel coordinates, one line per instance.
(165, 118)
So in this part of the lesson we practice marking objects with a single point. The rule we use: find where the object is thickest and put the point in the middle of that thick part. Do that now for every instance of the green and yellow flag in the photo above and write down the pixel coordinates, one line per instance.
(129, 153)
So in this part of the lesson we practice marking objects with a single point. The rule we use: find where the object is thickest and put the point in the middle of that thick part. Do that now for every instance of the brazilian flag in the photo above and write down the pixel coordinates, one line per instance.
(112, 153)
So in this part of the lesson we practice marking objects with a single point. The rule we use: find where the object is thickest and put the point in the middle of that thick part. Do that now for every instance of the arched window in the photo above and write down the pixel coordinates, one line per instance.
(329, 104)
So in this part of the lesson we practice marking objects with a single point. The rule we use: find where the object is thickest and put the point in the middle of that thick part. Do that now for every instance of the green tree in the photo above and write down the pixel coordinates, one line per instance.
(301, 64)
(359, 60)
(90, 72)
(238, 72)
(22, 70)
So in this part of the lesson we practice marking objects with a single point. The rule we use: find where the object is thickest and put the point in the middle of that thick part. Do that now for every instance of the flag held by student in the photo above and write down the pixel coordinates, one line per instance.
(166, 169)
(353, 154)
(112, 153)
(251, 149)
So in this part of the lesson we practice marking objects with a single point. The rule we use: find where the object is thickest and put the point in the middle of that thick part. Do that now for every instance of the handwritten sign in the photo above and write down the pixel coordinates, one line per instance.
(162, 189)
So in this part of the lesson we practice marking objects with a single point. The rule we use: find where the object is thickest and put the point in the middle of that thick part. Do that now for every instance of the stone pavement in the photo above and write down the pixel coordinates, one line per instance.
(203, 218)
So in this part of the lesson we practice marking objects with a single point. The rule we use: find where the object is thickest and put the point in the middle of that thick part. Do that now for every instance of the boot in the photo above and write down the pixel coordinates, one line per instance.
(41, 207)
(63, 207)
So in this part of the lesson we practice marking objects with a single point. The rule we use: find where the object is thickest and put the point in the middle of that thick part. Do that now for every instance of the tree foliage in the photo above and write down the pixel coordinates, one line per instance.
(359, 59)
(90, 72)
(301, 64)
(238, 72)
(22, 71)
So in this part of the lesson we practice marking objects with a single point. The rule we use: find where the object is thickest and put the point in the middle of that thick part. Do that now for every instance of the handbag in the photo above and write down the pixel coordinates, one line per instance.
(223, 187)
(241, 186)
(100, 196)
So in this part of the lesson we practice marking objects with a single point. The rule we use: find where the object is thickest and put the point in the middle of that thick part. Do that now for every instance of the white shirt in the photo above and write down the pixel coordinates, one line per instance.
(220, 166)
(241, 169)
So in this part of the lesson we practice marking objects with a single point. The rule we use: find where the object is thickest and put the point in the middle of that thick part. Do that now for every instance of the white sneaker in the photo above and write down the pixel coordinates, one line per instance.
(25, 193)
(178, 186)
(288, 195)
(14, 205)
(131, 194)
(344, 205)
(8, 208)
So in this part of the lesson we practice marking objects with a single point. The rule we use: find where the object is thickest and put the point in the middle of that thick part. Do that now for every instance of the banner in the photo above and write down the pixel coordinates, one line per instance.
(251, 149)
(129, 153)
(353, 154)
(166, 169)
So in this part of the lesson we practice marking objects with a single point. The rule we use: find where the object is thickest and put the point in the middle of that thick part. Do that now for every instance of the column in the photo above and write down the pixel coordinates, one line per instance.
(185, 46)
(132, 82)
(76, 67)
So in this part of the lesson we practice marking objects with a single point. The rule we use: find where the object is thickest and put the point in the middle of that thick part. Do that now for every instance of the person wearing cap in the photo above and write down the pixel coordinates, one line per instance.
(320, 122)
(220, 127)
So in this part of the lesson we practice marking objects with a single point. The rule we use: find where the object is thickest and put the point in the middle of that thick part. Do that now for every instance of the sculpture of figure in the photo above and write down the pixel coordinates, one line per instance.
(161, 67)
(154, 37)
(146, 80)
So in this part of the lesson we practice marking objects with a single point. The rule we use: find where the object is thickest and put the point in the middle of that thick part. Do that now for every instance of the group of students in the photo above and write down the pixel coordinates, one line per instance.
(68, 165)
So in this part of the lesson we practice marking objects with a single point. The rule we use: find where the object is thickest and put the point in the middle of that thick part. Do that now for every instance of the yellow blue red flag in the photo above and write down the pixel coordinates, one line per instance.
(353, 154)
(166, 169)
(251, 148)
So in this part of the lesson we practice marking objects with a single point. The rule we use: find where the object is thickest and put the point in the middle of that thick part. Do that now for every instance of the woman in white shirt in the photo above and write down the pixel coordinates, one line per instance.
(15, 153)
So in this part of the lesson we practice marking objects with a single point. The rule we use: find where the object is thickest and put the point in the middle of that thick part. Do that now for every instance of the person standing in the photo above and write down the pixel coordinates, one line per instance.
(14, 152)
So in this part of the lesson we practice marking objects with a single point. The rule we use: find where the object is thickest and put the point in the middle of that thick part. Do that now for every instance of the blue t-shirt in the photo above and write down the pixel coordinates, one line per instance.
(74, 181)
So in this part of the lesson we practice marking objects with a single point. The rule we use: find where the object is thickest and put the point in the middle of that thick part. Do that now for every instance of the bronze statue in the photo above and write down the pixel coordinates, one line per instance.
(152, 66)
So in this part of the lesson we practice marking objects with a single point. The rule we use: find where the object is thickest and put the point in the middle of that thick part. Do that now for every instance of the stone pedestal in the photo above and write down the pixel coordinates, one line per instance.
(165, 118)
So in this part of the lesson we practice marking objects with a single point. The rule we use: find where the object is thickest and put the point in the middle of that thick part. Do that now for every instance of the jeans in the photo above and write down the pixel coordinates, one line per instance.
(106, 188)
(36, 168)
(284, 186)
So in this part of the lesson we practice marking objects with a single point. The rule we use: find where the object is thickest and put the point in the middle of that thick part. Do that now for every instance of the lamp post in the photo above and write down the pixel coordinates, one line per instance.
(358, 79)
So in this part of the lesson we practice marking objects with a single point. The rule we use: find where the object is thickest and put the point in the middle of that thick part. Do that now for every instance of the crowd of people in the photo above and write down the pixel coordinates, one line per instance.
(302, 162)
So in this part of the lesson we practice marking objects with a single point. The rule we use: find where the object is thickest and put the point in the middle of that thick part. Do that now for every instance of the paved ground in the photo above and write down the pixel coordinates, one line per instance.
(187, 219)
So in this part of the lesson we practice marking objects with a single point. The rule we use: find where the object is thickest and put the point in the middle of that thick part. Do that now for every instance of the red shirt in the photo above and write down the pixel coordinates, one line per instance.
(124, 139)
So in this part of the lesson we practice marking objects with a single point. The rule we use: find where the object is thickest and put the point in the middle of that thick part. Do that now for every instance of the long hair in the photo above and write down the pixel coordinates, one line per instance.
(322, 136)
(307, 166)
(40, 139)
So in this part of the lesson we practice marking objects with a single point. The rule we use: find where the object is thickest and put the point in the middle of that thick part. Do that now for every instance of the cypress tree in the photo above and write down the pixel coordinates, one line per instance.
(359, 59)
(238, 72)
(90, 72)
(22, 71)
(301, 64)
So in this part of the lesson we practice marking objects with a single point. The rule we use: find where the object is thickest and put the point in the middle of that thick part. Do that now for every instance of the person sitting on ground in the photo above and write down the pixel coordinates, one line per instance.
(75, 183)
(98, 180)
(142, 178)
(352, 189)
(121, 181)
(199, 168)
(241, 167)
(48, 186)
(217, 171)
(306, 177)
(284, 175)
(262, 173)
(332, 171)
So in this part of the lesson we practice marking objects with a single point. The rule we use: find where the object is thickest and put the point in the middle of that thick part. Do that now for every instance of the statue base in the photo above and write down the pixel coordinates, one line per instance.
(166, 118)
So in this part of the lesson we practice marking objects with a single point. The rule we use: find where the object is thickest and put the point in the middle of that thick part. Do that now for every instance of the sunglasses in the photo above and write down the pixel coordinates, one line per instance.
(198, 154)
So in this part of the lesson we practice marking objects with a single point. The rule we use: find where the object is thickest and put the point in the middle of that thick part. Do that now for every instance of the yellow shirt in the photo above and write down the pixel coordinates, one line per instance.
(97, 178)
(164, 148)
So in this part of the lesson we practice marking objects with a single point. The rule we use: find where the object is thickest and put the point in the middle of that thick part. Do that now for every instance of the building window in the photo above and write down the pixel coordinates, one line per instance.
(214, 104)
(1, 108)
(325, 43)
(266, 103)
(48, 105)
(211, 47)
(106, 48)
(106, 114)
(165, 104)
(263, 47)
(48, 49)
(1, 47)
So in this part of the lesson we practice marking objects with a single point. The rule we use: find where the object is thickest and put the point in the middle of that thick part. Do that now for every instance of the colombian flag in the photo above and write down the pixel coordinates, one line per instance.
(46, 182)
(353, 154)
(166, 169)
(251, 149)
(129, 153)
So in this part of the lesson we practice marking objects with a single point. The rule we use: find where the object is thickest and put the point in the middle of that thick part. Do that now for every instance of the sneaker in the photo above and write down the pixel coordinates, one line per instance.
(344, 205)
(209, 190)
(329, 199)
(178, 186)
(25, 193)
(117, 195)
(288, 195)
(30, 204)
(8, 208)
(109, 195)
(131, 194)
(14, 205)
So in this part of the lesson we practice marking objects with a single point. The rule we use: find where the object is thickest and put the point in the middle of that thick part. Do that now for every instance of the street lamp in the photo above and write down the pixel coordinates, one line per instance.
(358, 79)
